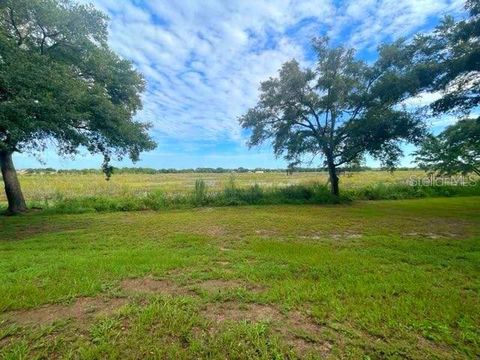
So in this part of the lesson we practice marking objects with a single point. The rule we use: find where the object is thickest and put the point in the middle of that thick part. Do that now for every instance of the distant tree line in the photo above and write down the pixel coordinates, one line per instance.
(144, 170)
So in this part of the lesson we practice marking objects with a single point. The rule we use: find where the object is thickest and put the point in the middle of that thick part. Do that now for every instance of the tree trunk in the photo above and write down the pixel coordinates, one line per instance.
(333, 177)
(16, 202)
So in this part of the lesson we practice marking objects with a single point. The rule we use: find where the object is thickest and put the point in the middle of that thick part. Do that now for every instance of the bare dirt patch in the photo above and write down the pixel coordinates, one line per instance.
(354, 236)
(430, 235)
(147, 285)
(265, 233)
(217, 285)
(232, 311)
(223, 263)
(342, 236)
(82, 310)
(334, 236)
(297, 329)
(304, 335)
(213, 231)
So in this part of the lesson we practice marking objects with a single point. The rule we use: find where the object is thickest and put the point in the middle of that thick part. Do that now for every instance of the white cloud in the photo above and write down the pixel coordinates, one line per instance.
(422, 99)
(365, 24)
(204, 60)
(439, 122)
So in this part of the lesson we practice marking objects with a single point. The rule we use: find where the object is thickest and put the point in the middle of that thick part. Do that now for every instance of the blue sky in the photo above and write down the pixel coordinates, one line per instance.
(203, 62)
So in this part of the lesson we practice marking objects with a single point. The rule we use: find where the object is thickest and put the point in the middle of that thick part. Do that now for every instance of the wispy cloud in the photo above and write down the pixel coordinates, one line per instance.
(204, 60)
(365, 24)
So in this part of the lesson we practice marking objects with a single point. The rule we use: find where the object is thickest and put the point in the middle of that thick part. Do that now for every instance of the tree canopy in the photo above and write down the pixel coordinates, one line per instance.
(455, 151)
(60, 83)
(342, 109)
(447, 61)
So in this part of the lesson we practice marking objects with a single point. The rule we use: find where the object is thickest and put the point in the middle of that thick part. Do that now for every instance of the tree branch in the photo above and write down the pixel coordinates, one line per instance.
(315, 115)
(14, 24)
(351, 157)
(310, 126)
(42, 44)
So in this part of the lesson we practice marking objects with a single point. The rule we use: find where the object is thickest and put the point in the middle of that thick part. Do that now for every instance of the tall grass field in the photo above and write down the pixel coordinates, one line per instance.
(67, 192)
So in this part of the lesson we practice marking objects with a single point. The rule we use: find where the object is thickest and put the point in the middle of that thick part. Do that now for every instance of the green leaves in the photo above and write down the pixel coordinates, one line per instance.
(60, 82)
(455, 150)
(447, 60)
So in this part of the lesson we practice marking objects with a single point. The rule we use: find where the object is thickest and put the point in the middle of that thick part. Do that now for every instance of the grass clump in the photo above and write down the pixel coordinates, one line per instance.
(200, 192)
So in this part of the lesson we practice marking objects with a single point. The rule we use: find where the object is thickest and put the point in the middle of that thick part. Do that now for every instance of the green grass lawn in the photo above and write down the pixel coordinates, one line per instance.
(383, 279)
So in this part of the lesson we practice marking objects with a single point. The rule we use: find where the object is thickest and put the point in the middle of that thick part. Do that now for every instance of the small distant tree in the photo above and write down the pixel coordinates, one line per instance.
(455, 151)
(60, 83)
(342, 109)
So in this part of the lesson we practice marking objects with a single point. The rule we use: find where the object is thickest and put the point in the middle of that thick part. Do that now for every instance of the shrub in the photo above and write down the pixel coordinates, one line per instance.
(230, 193)
(251, 195)
(296, 193)
(322, 195)
(200, 193)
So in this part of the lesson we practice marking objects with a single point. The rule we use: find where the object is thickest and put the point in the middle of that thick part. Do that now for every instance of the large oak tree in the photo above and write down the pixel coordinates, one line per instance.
(342, 109)
(60, 83)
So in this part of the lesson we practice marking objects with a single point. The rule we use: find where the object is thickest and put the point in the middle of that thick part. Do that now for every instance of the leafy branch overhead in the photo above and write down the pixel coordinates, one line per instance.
(455, 150)
(60, 81)
(447, 61)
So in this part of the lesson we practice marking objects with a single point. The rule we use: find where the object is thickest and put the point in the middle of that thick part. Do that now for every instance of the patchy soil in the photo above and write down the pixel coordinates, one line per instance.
(232, 311)
(212, 231)
(343, 236)
(265, 233)
(223, 263)
(82, 310)
(330, 236)
(216, 285)
(295, 328)
(304, 334)
(147, 285)
(430, 235)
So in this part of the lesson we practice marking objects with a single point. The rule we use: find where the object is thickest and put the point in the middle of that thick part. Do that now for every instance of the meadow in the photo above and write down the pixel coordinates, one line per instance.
(73, 193)
(365, 280)
(39, 187)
